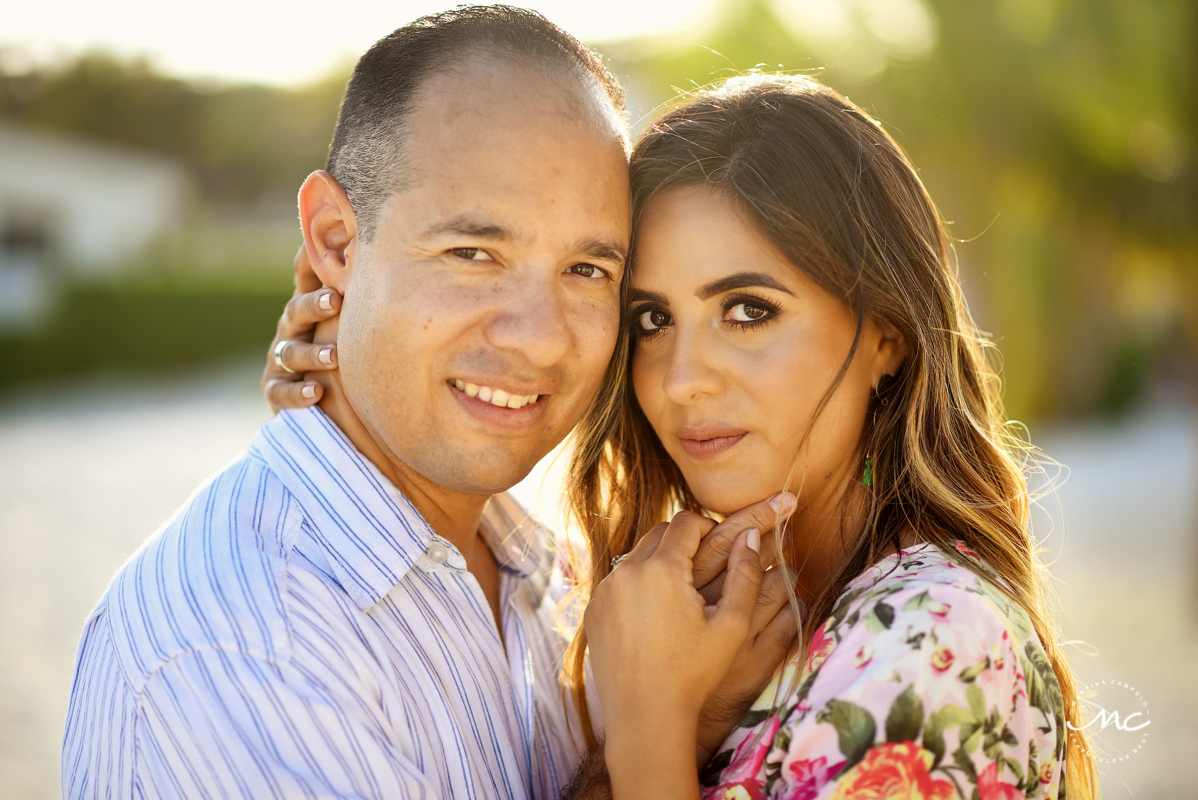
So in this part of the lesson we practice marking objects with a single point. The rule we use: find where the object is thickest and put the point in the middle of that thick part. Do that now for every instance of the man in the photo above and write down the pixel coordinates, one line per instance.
(342, 612)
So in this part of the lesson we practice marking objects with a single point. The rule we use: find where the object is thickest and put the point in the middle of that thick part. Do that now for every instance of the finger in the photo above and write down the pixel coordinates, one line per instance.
(773, 642)
(682, 537)
(303, 357)
(743, 584)
(772, 597)
(647, 544)
(712, 557)
(306, 279)
(281, 393)
(305, 310)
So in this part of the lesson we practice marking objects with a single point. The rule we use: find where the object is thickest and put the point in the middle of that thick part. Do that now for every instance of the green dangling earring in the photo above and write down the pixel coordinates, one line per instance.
(867, 477)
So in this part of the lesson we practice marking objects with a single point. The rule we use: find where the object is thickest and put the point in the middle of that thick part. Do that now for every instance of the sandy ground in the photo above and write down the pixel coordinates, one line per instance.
(87, 474)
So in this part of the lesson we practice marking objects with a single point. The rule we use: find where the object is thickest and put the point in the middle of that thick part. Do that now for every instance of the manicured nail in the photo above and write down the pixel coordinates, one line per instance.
(326, 301)
(326, 356)
(753, 540)
(309, 391)
(783, 502)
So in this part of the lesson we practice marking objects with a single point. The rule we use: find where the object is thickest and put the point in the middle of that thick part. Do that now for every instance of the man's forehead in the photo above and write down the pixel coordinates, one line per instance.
(486, 97)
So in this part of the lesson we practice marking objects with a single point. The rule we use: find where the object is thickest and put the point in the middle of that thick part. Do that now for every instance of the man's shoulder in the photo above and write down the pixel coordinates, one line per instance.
(212, 577)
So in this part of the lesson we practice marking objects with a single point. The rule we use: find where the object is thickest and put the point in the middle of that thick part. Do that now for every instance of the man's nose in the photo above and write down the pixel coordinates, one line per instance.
(533, 323)
(691, 372)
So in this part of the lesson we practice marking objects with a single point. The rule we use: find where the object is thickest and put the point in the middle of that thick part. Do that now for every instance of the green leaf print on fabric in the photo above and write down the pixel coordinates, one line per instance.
(943, 720)
(919, 602)
(905, 719)
(1043, 691)
(879, 617)
(854, 726)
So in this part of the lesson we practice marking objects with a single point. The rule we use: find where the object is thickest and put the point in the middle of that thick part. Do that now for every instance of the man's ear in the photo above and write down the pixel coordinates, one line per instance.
(330, 228)
(892, 351)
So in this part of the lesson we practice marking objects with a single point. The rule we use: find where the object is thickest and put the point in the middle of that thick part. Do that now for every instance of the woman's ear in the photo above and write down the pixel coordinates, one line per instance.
(330, 228)
(891, 352)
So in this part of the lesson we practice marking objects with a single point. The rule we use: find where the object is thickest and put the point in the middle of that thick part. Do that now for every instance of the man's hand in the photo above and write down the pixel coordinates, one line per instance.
(287, 386)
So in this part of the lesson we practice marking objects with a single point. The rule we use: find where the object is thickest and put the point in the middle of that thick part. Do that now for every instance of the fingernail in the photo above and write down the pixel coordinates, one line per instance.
(309, 391)
(326, 356)
(783, 502)
(326, 301)
(753, 540)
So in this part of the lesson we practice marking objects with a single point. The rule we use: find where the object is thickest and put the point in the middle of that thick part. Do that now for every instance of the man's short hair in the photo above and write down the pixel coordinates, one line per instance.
(365, 156)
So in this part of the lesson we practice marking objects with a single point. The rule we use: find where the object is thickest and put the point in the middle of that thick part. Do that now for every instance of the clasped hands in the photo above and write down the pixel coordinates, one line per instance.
(684, 634)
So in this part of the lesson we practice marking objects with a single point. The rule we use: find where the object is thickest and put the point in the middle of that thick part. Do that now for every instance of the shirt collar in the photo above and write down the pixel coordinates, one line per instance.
(370, 530)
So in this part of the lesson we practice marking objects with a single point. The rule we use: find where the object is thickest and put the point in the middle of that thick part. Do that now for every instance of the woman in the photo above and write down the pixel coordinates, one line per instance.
(796, 323)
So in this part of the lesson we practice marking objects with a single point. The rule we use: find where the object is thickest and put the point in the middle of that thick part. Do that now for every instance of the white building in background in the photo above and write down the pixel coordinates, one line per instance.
(73, 207)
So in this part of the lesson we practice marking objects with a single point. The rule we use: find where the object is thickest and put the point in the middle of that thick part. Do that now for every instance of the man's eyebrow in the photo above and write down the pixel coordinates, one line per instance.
(470, 226)
(740, 280)
(603, 250)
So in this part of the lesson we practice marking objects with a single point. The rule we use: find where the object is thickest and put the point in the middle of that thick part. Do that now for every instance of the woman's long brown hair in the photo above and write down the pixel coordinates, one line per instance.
(838, 197)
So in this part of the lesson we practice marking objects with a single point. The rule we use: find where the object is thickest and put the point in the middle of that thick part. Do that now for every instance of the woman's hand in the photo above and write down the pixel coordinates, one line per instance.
(286, 385)
(658, 651)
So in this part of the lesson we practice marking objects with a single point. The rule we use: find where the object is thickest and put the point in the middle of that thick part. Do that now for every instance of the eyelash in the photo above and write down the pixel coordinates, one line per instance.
(771, 313)
(602, 274)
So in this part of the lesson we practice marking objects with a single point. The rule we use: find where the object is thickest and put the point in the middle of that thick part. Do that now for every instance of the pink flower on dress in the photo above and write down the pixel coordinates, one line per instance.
(741, 779)
(808, 776)
(942, 658)
(821, 648)
(748, 790)
(865, 654)
(991, 788)
(964, 550)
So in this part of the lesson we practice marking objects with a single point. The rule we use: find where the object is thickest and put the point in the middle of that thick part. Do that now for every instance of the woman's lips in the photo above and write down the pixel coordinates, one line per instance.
(708, 442)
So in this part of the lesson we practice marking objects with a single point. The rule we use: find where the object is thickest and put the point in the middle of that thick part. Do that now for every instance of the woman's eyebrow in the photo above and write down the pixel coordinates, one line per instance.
(640, 295)
(740, 280)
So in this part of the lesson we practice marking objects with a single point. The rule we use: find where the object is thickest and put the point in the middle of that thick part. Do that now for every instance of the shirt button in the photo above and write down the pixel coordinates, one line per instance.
(437, 553)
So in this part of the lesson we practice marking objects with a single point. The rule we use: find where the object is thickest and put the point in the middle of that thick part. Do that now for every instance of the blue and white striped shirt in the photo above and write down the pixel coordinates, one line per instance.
(298, 630)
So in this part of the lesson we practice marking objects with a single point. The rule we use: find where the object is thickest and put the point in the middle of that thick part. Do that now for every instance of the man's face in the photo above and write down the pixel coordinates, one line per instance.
(493, 278)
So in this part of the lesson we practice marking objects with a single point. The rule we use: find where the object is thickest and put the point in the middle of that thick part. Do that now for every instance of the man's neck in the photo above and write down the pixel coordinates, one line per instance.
(453, 515)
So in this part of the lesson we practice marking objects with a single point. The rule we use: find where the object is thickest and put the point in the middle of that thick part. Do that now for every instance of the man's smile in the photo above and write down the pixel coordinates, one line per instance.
(496, 397)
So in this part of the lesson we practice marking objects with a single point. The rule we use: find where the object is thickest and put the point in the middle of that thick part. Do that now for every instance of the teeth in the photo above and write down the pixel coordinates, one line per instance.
(496, 397)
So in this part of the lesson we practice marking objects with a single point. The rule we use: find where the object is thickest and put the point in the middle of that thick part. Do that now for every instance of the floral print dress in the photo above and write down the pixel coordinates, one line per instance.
(925, 682)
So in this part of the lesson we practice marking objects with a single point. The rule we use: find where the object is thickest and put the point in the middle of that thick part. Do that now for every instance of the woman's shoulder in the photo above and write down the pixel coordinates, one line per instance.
(927, 673)
(924, 586)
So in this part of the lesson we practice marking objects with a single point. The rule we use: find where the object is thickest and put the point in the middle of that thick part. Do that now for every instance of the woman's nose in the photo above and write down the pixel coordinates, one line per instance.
(692, 372)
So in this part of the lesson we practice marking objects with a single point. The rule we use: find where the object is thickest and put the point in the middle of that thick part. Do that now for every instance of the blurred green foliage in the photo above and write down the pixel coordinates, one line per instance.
(1058, 136)
(146, 324)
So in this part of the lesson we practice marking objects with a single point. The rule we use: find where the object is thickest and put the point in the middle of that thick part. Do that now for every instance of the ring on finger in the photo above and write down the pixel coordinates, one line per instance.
(615, 562)
(279, 355)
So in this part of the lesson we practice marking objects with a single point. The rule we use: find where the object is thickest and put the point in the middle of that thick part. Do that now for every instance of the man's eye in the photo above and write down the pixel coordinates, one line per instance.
(471, 253)
(652, 320)
(743, 312)
(588, 271)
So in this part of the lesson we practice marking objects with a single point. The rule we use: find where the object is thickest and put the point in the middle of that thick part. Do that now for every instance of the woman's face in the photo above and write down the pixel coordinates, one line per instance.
(735, 347)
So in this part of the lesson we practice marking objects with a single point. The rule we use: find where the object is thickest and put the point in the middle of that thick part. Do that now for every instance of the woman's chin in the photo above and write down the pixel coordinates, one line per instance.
(724, 500)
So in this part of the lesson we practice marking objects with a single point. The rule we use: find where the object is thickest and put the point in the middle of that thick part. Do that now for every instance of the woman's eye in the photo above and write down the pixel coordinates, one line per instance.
(471, 253)
(588, 271)
(653, 320)
(744, 312)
